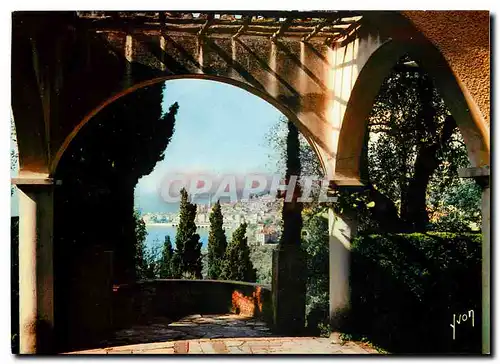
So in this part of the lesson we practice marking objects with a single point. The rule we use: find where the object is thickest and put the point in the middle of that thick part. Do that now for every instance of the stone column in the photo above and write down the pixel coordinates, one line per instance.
(289, 289)
(163, 47)
(289, 273)
(482, 177)
(129, 56)
(342, 229)
(36, 307)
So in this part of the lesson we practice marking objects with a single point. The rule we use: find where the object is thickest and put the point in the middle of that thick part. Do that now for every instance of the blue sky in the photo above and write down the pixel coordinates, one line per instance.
(219, 128)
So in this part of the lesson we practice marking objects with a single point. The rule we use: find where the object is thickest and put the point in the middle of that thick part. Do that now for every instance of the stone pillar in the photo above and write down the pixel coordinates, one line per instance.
(129, 56)
(342, 229)
(163, 47)
(482, 177)
(36, 297)
(289, 289)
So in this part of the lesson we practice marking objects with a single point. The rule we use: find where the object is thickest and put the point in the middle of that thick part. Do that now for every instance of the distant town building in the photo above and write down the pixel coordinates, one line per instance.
(202, 218)
(266, 235)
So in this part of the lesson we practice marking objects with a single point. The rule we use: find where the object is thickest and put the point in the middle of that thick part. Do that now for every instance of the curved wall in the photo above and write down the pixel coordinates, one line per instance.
(143, 302)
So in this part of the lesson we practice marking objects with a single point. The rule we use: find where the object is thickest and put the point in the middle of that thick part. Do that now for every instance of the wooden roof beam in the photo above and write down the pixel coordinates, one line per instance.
(183, 17)
(204, 28)
(346, 32)
(317, 28)
(294, 14)
(246, 22)
(286, 23)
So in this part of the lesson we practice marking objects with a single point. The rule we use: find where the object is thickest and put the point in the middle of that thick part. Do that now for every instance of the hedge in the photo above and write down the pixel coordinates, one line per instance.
(405, 289)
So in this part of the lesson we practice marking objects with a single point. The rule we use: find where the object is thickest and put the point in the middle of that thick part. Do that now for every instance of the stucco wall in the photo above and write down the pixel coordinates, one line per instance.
(463, 39)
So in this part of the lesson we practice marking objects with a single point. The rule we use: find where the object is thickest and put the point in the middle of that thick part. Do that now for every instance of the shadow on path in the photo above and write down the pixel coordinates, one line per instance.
(217, 334)
(191, 327)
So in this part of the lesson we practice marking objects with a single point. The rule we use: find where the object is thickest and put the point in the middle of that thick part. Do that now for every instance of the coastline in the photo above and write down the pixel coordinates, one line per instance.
(174, 225)
(161, 224)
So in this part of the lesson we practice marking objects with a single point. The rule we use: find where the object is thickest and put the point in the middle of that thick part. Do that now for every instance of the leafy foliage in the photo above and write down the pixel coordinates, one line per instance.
(165, 263)
(147, 265)
(141, 264)
(276, 138)
(217, 242)
(405, 289)
(261, 257)
(457, 208)
(237, 265)
(414, 147)
(100, 168)
(316, 246)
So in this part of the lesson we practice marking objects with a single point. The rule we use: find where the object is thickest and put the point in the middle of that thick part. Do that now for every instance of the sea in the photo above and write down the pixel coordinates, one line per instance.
(156, 235)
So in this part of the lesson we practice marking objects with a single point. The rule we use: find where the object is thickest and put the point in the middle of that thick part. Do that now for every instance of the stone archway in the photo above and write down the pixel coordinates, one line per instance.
(82, 132)
(325, 89)
(291, 115)
(470, 119)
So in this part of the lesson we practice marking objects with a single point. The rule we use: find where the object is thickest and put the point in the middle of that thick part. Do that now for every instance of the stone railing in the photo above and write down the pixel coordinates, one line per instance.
(146, 301)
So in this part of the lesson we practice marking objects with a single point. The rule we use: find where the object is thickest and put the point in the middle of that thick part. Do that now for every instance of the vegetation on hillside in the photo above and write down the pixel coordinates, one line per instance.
(237, 265)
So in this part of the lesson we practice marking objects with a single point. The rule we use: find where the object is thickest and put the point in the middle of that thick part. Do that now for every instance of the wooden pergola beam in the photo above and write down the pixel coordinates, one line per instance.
(118, 23)
(111, 19)
(287, 14)
(188, 15)
(316, 29)
(216, 30)
(206, 25)
(242, 29)
(346, 32)
(285, 24)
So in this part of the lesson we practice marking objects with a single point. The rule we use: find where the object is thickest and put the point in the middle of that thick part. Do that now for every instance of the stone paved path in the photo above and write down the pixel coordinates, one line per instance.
(218, 334)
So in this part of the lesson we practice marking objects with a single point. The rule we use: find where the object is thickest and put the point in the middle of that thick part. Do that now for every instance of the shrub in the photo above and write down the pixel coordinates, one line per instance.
(405, 289)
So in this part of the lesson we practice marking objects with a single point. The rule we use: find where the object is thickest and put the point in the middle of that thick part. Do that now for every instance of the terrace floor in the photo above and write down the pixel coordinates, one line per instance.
(219, 334)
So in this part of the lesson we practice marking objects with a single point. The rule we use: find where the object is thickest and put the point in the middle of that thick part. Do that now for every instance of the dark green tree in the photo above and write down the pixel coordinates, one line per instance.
(187, 255)
(192, 258)
(316, 247)
(217, 242)
(94, 207)
(412, 151)
(237, 265)
(165, 264)
(100, 169)
(292, 211)
(152, 263)
(409, 161)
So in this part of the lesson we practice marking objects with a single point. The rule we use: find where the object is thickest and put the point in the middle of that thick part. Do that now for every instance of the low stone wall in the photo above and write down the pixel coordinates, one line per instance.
(147, 301)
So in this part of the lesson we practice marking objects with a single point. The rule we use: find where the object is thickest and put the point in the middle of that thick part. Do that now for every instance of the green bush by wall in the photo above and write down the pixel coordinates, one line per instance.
(405, 289)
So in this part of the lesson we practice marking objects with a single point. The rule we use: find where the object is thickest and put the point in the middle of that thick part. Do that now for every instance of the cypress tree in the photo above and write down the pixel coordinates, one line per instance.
(187, 256)
(217, 242)
(166, 259)
(192, 258)
(292, 211)
(237, 265)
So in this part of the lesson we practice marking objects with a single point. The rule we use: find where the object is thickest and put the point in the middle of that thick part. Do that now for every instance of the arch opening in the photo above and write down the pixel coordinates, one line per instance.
(469, 119)
(289, 114)
(99, 193)
(411, 151)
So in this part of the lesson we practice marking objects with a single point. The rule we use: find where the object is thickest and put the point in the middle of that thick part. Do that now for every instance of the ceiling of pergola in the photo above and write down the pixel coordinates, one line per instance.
(301, 25)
